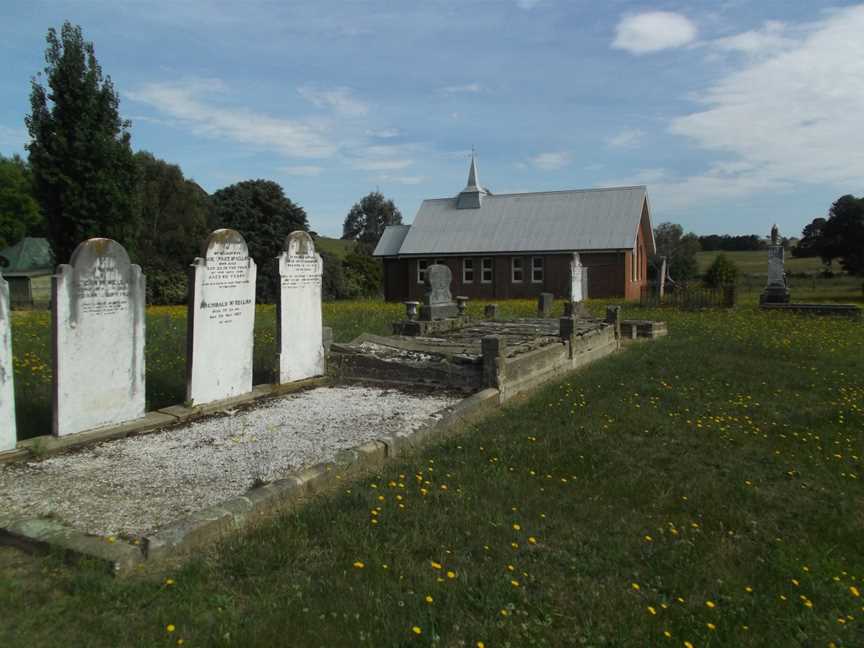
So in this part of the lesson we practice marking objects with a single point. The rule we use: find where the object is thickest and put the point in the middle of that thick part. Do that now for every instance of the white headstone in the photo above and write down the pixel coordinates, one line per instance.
(98, 320)
(300, 333)
(776, 274)
(577, 279)
(221, 320)
(8, 436)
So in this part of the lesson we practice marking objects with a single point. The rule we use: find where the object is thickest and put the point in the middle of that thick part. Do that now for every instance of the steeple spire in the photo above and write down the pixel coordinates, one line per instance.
(471, 197)
(472, 176)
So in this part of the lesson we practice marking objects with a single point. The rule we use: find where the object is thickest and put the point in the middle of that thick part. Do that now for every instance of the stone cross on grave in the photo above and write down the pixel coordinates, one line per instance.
(438, 302)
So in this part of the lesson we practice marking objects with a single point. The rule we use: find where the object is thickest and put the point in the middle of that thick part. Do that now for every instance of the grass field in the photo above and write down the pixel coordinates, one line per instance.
(704, 489)
(334, 246)
(756, 262)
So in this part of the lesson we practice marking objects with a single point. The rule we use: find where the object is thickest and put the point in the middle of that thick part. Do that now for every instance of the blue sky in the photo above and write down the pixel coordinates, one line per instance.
(735, 114)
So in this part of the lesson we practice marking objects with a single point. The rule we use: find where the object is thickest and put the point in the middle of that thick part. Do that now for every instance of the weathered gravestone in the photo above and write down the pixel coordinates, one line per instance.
(776, 291)
(544, 304)
(300, 331)
(98, 321)
(578, 279)
(438, 302)
(8, 435)
(221, 320)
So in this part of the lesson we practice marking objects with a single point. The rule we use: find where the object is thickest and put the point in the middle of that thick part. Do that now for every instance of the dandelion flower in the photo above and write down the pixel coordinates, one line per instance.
(416, 630)
(652, 610)
(429, 599)
(451, 574)
(532, 540)
(854, 591)
(710, 604)
(635, 586)
(170, 628)
(711, 626)
(359, 564)
(516, 527)
(435, 565)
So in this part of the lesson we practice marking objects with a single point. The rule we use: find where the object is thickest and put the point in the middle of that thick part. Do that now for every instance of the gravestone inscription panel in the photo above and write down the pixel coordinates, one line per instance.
(300, 330)
(221, 320)
(98, 329)
(8, 436)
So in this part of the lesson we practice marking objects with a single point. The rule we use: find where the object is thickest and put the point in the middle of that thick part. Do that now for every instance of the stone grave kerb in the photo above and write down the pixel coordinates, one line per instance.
(98, 299)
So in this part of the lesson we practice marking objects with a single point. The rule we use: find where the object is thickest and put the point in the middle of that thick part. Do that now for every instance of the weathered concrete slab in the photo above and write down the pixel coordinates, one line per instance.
(8, 434)
(98, 333)
(221, 320)
(300, 340)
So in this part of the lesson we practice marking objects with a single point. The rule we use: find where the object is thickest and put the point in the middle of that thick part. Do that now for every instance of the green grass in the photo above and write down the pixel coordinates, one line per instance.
(334, 246)
(756, 262)
(721, 464)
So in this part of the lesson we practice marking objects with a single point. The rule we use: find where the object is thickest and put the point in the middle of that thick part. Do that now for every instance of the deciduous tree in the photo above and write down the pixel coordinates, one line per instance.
(259, 210)
(19, 211)
(679, 249)
(367, 219)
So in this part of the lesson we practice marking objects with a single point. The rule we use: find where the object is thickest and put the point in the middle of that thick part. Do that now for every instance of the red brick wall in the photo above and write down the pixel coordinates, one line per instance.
(607, 277)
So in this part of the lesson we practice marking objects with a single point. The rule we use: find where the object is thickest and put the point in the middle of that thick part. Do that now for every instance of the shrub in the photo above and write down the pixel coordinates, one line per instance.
(722, 272)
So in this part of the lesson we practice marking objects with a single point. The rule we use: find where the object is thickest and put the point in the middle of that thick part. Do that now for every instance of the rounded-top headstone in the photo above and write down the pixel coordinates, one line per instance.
(98, 299)
(438, 278)
(299, 243)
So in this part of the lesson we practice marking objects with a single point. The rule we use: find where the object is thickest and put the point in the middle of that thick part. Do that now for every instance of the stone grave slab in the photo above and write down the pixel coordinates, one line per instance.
(300, 329)
(98, 333)
(221, 320)
(8, 435)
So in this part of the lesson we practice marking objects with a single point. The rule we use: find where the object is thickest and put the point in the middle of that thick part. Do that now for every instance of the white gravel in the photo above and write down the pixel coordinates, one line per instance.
(136, 485)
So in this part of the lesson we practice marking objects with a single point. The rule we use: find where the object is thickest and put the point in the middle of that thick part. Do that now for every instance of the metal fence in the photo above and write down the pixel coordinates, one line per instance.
(688, 297)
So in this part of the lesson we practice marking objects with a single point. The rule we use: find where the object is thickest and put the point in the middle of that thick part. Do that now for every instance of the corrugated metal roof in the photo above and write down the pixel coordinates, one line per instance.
(391, 240)
(584, 219)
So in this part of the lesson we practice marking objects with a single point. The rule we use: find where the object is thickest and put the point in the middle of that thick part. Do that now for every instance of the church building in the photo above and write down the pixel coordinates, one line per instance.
(510, 246)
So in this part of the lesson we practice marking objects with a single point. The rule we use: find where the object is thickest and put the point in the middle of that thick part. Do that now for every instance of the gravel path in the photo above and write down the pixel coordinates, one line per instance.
(134, 486)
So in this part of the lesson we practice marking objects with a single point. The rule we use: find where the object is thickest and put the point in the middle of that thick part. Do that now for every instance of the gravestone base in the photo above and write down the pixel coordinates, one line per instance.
(421, 328)
(576, 309)
(774, 295)
(429, 312)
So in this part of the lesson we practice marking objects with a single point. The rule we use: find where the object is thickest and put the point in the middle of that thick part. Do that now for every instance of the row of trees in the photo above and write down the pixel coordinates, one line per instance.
(82, 179)
(840, 236)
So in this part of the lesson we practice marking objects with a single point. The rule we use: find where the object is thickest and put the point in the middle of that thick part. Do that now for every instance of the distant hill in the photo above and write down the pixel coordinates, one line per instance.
(334, 246)
(756, 262)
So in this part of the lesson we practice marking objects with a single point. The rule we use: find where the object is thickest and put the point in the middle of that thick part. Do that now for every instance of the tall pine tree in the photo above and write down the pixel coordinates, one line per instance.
(83, 170)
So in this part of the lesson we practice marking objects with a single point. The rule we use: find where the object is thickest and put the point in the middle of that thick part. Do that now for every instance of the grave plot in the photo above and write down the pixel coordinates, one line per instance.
(507, 355)
(135, 486)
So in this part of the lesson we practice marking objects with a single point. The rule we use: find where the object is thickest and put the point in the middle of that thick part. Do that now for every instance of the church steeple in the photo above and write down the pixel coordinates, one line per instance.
(471, 197)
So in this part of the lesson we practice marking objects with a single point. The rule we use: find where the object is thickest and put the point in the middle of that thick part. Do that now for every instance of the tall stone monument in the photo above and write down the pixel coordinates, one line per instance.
(300, 329)
(578, 279)
(221, 322)
(776, 291)
(8, 435)
(98, 330)
(438, 302)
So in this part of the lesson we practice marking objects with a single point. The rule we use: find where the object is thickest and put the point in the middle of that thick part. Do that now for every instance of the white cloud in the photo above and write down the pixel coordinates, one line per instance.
(383, 157)
(341, 100)
(770, 39)
(383, 133)
(469, 88)
(784, 120)
(302, 170)
(404, 180)
(550, 161)
(653, 31)
(627, 138)
(191, 104)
